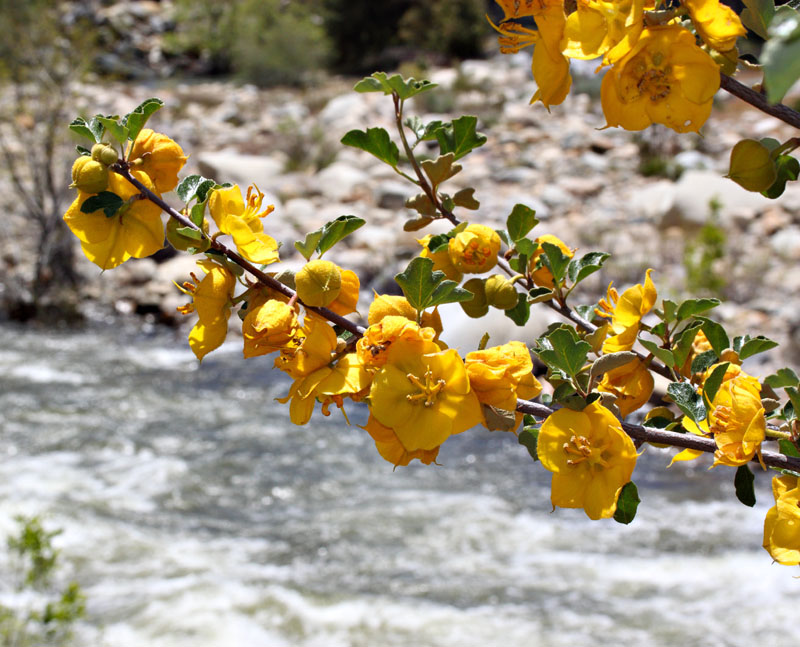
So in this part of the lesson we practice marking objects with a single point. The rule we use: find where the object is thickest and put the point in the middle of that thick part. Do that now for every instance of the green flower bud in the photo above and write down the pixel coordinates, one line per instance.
(477, 307)
(500, 292)
(185, 241)
(752, 166)
(105, 154)
(89, 175)
(318, 283)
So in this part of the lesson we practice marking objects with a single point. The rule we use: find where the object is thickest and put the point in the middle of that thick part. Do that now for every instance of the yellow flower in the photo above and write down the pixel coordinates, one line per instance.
(328, 384)
(737, 421)
(717, 24)
(474, 250)
(270, 325)
(501, 374)
(632, 383)
(159, 157)
(243, 222)
(391, 449)
(598, 25)
(211, 299)
(590, 456)
(135, 231)
(378, 339)
(782, 524)
(664, 79)
(313, 347)
(441, 260)
(626, 313)
(541, 275)
(424, 398)
(386, 305)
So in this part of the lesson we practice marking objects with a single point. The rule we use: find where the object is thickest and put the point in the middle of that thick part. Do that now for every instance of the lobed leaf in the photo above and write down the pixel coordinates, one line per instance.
(521, 312)
(555, 260)
(459, 136)
(662, 354)
(756, 345)
(783, 377)
(336, 230)
(115, 129)
(520, 221)
(80, 127)
(136, 119)
(194, 186)
(375, 141)
(787, 169)
(440, 169)
(404, 88)
(106, 200)
(579, 269)
(419, 281)
(563, 350)
(687, 400)
(692, 307)
(465, 198)
(716, 335)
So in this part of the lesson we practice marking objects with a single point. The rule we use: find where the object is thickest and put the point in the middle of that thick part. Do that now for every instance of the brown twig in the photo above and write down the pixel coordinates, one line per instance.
(759, 101)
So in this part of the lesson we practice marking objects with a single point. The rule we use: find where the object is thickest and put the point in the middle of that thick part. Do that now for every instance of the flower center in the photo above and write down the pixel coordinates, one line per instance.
(580, 449)
(652, 77)
(475, 254)
(429, 388)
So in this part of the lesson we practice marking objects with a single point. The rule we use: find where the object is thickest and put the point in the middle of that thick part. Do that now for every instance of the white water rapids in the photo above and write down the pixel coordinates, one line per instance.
(196, 515)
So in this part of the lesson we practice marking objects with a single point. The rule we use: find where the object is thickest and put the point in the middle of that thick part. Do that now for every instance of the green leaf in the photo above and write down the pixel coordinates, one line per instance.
(713, 382)
(716, 335)
(440, 169)
(115, 129)
(80, 127)
(419, 281)
(537, 295)
(794, 397)
(783, 377)
(137, 118)
(97, 128)
(82, 150)
(743, 482)
(756, 345)
(627, 503)
(682, 349)
(788, 169)
(194, 186)
(520, 221)
(555, 260)
(587, 312)
(704, 361)
(465, 198)
(687, 400)
(336, 230)
(662, 354)
(529, 438)
(670, 310)
(521, 312)
(781, 54)
(788, 448)
(757, 15)
(611, 361)
(579, 269)
(460, 136)
(106, 200)
(422, 204)
(308, 246)
(693, 307)
(448, 292)
(525, 246)
(189, 232)
(381, 82)
(375, 141)
(563, 350)
(198, 214)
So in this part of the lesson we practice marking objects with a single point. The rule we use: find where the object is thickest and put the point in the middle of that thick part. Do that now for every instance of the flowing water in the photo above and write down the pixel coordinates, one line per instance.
(194, 514)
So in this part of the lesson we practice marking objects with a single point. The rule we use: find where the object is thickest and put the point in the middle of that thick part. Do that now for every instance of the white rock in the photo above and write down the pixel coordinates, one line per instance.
(339, 181)
(786, 242)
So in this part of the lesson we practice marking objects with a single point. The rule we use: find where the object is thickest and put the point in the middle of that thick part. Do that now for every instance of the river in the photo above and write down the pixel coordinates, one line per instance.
(195, 514)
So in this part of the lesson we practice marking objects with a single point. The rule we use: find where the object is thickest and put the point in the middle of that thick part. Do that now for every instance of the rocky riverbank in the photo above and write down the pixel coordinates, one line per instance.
(586, 185)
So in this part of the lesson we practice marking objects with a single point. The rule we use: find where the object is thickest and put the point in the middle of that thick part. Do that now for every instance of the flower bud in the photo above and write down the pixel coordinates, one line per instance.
(477, 307)
(89, 175)
(104, 154)
(318, 283)
(500, 292)
(752, 166)
(184, 243)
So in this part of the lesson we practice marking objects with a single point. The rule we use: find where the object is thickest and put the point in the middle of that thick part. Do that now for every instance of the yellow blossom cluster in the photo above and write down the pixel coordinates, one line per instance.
(660, 72)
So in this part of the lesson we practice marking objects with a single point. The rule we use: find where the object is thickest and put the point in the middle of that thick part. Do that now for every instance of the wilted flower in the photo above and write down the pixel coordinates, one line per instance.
(632, 383)
(391, 449)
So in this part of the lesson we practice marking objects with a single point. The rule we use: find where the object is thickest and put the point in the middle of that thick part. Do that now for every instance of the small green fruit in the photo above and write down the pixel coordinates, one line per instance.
(477, 307)
(184, 243)
(318, 283)
(752, 166)
(500, 292)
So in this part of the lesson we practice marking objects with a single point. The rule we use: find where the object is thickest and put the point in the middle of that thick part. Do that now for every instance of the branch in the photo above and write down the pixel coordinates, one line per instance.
(265, 279)
(758, 100)
(687, 440)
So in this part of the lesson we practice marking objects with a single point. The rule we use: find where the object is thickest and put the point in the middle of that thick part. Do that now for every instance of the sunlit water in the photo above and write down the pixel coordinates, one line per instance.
(195, 515)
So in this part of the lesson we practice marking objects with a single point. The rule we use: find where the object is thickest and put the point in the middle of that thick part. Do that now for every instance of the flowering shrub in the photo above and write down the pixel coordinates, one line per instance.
(664, 67)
